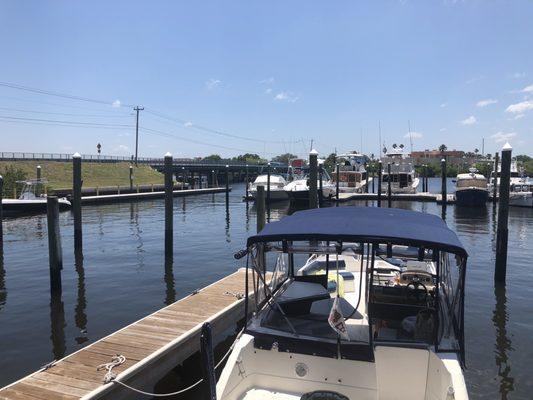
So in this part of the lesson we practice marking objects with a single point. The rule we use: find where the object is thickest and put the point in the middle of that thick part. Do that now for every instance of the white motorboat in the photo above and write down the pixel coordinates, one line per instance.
(377, 311)
(352, 173)
(30, 201)
(403, 177)
(516, 177)
(298, 188)
(277, 183)
(521, 193)
(471, 189)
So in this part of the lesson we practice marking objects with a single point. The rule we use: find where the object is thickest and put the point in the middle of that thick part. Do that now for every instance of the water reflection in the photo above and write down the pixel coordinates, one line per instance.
(3, 290)
(57, 325)
(170, 292)
(80, 317)
(503, 343)
(228, 237)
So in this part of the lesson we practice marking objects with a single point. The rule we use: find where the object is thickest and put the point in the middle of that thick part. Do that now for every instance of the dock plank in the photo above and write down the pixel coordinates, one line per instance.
(152, 346)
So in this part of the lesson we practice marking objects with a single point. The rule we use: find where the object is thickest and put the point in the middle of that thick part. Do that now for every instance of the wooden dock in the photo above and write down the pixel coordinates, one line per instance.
(152, 347)
(115, 198)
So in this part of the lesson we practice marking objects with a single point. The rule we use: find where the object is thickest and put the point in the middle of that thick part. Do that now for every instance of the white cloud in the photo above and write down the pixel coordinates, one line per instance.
(475, 79)
(517, 116)
(486, 102)
(187, 124)
(442, 130)
(288, 97)
(443, 105)
(121, 148)
(519, 108)
(527, 89)
(500, 137)
(518, 75)
(213, 83)
(268, 81)
(414, 135)
(469, 121)
(116, 104)
(268, 91)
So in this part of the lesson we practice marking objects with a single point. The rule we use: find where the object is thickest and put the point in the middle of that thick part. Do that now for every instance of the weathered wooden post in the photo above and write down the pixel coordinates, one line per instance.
(443, 182)
(389, 190)
(495, 181)
(131, 178)
(208, 361)
(76, 201)
(169, 207)
(503, 215)
(380, 173)
(227, 184)
(246, 181)
(38, 186)
(424, 173)
(366, 179)
(268, 188)
(337, 179)
(373, 177)
(260, 207)
(313, 178)
(55, 252)
(1, 211)
(213, 178)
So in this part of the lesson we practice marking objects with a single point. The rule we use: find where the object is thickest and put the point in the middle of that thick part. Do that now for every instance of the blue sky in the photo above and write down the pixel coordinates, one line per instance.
(266, 76)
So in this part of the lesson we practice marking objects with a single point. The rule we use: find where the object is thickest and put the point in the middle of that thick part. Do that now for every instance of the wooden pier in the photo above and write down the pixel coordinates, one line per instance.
(152, 347)
(115, 198)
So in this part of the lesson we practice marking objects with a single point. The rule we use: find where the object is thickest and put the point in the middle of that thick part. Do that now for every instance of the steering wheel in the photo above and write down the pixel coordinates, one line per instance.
(417, 295)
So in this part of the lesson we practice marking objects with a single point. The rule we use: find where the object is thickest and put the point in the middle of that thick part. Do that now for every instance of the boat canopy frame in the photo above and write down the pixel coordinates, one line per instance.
(350, 227)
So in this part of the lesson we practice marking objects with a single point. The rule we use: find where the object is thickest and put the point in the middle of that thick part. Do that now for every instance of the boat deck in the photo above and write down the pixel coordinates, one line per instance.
(152, 347)
(421, 196)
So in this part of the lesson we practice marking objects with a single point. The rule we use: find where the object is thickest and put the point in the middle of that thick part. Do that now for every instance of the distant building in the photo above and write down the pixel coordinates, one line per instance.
(434, 156)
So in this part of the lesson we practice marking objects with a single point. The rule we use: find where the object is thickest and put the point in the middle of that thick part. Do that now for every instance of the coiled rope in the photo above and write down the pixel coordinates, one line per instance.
(119, 359)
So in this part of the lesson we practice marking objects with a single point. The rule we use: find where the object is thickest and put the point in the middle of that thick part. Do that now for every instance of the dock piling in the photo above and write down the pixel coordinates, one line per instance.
(55, 252)
(495, 180)
(131, 178)
(366, 179)
(268, 192)
(338, 176)
(246, 182)
(37, 187)
(169, 207)
(320, 187)
(443, 182)
(76, 201)
(503, 216)
(1, 212)
(208, 362)
(373, 176)
(389, 191)
(227, 184)
(313, 167)
(260, 207)
(380, 173)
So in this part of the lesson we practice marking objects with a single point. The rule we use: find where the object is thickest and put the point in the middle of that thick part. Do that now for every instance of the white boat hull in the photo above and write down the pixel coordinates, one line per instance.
(275, 194)
(524, 199)
(396, 189)
(13, 207)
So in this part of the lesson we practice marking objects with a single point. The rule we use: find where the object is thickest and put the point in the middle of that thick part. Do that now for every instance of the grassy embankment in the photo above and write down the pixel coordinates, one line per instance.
(59, 174)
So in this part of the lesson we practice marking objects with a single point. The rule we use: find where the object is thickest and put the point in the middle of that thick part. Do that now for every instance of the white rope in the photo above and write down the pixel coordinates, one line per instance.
(119, 359)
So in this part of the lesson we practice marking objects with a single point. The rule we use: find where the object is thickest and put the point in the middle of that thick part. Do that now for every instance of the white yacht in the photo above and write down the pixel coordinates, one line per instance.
(298, 188)
(376, 312)
(277, 183)
(521, 193)
(352, 173)
(30, 200)
(516, 176)
(403, 176)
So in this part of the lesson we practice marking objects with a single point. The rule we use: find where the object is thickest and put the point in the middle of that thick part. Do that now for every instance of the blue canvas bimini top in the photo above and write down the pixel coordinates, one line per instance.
(372, 224)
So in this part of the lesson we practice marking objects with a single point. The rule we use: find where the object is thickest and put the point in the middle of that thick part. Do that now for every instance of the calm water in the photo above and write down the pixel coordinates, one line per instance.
(123, 277)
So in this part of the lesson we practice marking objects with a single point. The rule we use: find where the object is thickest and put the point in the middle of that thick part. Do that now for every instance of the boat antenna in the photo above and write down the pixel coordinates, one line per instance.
(311, 145)
(361, 150)
(410, 137)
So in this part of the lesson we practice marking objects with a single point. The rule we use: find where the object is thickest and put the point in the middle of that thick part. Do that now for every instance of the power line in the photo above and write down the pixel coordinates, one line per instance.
(64, 122)
(64, 114)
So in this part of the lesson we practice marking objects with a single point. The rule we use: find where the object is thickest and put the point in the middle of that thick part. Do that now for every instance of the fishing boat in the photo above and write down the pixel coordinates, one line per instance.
(521, 193)
(30, 200)
(402, 177)
(471, 189)
(376, 311)
(277, 183)
(352, 173)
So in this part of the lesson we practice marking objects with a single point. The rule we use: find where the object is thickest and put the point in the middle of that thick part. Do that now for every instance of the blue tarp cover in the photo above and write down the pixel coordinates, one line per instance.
(355, 224)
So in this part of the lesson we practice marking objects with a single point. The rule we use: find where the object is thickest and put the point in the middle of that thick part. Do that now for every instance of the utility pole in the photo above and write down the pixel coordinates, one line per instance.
(137, 109)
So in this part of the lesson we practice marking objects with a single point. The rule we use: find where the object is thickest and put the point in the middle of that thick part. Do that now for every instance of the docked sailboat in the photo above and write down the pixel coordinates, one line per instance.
(471, 189)
(403, 177)
(30, 201)
(376, 312)
(352, 174)
(277, 183)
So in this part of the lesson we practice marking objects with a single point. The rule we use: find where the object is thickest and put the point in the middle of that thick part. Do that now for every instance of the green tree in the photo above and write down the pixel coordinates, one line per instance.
(443, 148)
(11, 175)
(284, 158)
(213, 157)
(329, 163)
(248, 158)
